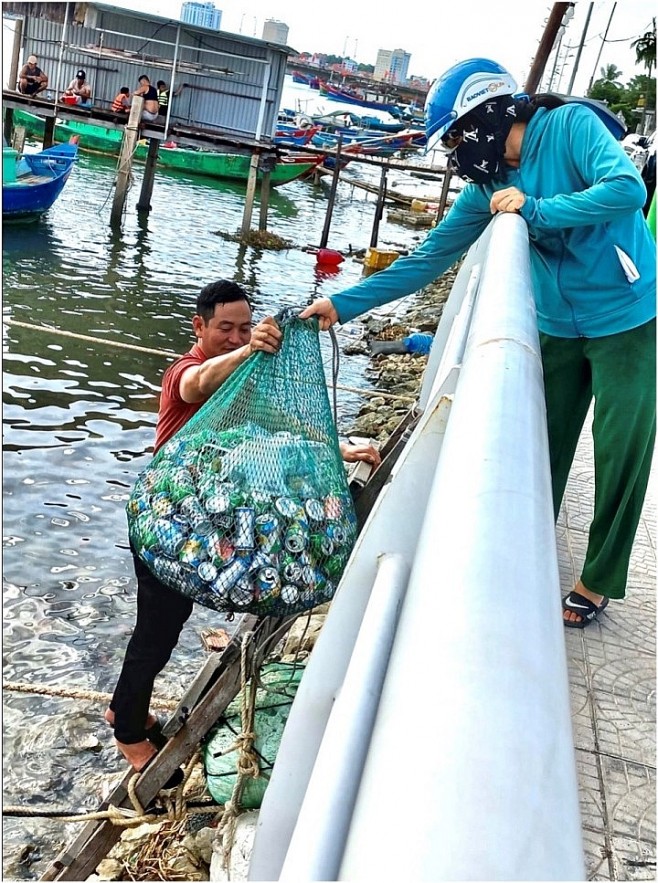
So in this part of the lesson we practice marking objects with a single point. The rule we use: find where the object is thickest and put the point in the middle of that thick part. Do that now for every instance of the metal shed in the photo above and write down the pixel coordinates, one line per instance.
(219, 82)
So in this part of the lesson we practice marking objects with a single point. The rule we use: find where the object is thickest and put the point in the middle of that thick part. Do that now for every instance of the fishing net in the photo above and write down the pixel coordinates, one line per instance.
(247, 507)
(274, 697)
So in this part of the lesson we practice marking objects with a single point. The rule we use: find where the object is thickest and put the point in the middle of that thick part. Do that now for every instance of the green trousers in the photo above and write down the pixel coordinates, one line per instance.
(619, 373)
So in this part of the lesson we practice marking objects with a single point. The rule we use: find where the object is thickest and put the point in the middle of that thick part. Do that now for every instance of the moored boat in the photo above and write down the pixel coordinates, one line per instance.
(228, 166)
(32, 182)
(349, 97)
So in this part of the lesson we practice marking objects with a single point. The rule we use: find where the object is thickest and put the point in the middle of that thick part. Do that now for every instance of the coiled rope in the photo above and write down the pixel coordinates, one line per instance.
(374, 393)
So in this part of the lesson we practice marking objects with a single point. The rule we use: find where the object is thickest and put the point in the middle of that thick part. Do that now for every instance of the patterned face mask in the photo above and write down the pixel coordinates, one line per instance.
(478, 157)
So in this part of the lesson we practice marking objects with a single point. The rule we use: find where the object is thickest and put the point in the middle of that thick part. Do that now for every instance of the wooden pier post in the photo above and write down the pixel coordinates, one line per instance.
(264, 200)
(8, 124)
(379, 208)
(444, 195)
(124, 167)
(49, 132)
(332, 193)
(144, 203)
(251, 192)
(18, 139)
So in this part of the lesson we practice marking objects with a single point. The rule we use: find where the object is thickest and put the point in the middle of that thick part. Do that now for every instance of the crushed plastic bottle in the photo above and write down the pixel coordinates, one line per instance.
(420, 344)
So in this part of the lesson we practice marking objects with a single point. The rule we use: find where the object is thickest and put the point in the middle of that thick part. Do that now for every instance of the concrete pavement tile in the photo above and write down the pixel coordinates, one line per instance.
(597, 856)
(630, 798)
(626, 722)
(625, 629)
(581, 716)
(633, 860)
(592, 807)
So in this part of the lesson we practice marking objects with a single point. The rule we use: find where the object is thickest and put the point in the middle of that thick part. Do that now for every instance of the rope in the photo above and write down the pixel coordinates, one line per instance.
(67, 693)
(66, 814)
(247, 763)
(169, 354)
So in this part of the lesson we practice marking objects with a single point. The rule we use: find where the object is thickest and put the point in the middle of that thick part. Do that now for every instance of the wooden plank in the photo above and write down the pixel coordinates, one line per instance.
(78, 860)
(124, 167)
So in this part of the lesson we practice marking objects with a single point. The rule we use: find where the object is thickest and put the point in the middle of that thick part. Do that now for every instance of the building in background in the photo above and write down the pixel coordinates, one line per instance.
(392, 66)
(203, 15)
(275, 31)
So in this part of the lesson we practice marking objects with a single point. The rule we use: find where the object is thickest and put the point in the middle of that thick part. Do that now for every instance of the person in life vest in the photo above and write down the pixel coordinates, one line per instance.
(121, 103)
(163, 97)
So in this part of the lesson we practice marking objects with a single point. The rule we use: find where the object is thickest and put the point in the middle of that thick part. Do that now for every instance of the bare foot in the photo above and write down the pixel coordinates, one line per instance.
(137, 754)
(571, 615)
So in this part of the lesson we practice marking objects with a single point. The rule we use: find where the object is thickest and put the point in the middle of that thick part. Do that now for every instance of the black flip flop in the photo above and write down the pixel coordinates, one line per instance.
(588, 610)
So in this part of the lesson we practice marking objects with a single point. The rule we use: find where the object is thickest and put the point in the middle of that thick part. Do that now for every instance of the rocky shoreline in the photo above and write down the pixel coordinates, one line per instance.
(398, 374)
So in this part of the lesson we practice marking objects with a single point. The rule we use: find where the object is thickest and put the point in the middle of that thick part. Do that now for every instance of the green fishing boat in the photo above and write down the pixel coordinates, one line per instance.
(94, 138)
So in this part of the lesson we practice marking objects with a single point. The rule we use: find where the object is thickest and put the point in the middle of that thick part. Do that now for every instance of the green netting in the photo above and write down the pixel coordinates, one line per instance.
(273, 701)
(247, 507)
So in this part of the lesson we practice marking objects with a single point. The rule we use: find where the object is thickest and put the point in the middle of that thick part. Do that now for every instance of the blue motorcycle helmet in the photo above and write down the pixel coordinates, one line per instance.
(461, 88)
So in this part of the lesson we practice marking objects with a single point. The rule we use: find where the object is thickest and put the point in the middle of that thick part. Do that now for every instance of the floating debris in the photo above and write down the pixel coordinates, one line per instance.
(258, 239)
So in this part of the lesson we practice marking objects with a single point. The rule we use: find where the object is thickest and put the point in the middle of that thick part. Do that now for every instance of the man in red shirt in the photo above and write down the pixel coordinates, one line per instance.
(225, 339)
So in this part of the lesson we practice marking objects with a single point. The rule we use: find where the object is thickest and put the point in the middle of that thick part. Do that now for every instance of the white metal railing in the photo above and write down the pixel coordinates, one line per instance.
(469, 769)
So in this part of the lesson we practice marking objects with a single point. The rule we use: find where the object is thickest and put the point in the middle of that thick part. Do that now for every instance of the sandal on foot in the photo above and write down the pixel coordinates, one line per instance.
(583, 607)
(153, 733)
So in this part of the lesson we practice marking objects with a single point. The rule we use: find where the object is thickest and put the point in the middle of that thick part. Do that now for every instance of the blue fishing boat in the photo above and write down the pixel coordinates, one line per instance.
(32, 182)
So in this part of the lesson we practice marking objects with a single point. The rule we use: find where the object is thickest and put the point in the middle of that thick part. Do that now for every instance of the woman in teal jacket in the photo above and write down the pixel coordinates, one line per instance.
(593, 265)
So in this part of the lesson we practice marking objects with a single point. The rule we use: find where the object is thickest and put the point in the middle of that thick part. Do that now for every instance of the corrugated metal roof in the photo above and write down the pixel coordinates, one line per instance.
(229, 83)
(147, 16)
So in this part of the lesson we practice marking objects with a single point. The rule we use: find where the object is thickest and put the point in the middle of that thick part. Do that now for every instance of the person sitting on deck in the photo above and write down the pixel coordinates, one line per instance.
(79, 88)
(121, 103)
(150, 95)
(31, 79)
(163, 97)
(225, 339)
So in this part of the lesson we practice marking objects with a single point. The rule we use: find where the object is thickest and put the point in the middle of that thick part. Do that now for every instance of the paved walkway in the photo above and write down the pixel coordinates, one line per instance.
(612, 672)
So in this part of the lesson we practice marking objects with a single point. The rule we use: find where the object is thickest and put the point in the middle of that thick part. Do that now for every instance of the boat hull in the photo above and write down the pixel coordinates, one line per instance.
(225, 166)
(45, 175)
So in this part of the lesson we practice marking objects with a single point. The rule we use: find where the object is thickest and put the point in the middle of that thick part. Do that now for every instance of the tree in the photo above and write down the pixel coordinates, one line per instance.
(645, 48)
(610, 74)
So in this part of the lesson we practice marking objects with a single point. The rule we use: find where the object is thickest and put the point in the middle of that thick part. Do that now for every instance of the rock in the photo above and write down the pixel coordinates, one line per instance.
(183, 867)
(240, 856)
(303, 634)
(110, 869)
(204, 840)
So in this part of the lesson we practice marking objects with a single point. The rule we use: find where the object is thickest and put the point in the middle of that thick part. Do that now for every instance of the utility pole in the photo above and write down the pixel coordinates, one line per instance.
(598, 57)
(580, 48)
(545, 45)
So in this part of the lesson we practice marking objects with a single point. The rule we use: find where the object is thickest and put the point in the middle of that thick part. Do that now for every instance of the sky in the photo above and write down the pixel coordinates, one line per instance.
(438, 35)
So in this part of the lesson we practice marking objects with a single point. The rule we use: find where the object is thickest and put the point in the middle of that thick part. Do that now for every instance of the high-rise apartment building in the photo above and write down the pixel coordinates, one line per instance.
(275, 31)
(205, 15)
(392, 66)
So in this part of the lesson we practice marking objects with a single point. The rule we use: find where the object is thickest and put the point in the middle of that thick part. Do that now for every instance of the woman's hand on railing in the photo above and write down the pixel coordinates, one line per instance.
(508, 200)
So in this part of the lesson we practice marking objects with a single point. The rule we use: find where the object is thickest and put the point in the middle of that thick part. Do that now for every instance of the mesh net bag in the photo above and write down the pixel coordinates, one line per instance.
(247, 508)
